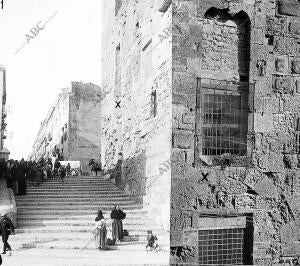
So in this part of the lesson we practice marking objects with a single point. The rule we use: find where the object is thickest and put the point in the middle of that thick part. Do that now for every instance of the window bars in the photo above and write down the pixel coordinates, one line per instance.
(222, 117)
(221, 246)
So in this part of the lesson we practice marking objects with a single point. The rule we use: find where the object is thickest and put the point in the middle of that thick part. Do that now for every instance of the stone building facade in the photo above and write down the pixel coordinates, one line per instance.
(137, 111)
(71, 128)
(215, 108)
(2, 105)
(235, 132)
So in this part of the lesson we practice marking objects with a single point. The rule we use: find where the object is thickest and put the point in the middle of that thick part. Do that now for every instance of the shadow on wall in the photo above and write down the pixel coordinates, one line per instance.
(130, 176)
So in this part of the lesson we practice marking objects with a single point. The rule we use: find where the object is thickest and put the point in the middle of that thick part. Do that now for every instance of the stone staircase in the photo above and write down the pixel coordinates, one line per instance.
(56, 221)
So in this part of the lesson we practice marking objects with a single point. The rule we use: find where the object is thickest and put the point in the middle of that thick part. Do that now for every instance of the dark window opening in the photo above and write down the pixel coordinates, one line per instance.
(118, 4)
(117, 71)
(153, 104)
(270, 39)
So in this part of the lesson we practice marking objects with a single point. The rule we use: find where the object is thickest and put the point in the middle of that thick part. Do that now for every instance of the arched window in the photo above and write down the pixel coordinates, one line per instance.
(222, 97)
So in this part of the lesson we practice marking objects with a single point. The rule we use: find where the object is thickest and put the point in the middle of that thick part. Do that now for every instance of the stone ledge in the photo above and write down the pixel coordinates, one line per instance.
(289, 8)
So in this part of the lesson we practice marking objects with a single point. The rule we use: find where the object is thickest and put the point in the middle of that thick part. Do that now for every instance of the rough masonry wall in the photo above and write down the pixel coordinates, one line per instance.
(84, 124)
(264, 185)
(143, 66)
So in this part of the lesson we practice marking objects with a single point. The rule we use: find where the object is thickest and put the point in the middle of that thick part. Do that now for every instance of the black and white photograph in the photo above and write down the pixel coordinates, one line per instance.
(149, 132)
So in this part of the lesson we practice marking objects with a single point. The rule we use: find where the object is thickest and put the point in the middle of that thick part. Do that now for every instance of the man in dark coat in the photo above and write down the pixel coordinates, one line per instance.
(22, 177)
(62, 173)
(56, 168)
(117, 215)
(7, 228)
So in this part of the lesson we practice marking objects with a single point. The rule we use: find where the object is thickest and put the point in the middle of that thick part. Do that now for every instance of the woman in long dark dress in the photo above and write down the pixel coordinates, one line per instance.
(100, 231)
(117, 215)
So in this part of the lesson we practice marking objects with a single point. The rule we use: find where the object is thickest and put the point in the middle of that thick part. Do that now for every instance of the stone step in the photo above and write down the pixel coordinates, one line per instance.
(81, 244)
(91, 207)
(78, 180)
(71, 197)
(125, 201)
(54, 201)
(27, 237)
(76, 229)
(64, 186)
(74, 189)
(73, 183)
(69, 212)
(131, 214)
(40, 222)
(89, 257)
(79, 192)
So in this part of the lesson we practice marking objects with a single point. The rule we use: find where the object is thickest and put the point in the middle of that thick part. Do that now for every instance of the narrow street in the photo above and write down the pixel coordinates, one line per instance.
(56, 221)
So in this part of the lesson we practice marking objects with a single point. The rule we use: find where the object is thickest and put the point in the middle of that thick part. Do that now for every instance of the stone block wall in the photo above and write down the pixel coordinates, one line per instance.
(258, 43)
(136, 65)
(84, 124)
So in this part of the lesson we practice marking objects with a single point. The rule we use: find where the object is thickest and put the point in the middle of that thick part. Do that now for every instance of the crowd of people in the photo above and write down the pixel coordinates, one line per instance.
(20, 174)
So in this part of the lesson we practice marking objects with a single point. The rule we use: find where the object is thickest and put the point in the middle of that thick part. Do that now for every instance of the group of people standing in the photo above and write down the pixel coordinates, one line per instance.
(20, 174)
(117, 216)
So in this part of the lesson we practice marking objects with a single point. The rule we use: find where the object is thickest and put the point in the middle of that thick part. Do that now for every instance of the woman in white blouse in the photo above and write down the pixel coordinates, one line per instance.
(100, 231)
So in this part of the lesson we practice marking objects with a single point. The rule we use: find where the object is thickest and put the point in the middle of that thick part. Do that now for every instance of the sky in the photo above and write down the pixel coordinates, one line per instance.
(67, 48)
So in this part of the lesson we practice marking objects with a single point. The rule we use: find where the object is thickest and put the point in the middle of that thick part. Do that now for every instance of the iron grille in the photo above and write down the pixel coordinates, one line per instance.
(222, 119)
(221, 246)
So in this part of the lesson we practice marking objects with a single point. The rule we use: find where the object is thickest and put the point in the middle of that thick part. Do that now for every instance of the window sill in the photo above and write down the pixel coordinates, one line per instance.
(223, 160)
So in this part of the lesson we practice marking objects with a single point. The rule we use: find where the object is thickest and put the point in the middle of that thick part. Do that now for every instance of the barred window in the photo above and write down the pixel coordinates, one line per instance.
(222, 118)
(221, 246)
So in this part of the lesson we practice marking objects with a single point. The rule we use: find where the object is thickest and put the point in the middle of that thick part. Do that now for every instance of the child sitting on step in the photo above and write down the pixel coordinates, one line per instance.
(151, 241)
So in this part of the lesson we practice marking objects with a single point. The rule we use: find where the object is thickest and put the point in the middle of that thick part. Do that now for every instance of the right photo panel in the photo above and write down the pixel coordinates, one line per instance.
(235, 189)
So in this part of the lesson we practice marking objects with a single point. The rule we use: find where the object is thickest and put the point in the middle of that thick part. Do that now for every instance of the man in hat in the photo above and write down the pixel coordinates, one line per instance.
(7, 228)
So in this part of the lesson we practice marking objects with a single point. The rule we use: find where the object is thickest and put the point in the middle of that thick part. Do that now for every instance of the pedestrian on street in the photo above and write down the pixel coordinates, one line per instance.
(117, 215)
(68, 169)
(100, 231)
(49, 168)
(7, 228)
(22, 177)
(62, 173)
(57, 165)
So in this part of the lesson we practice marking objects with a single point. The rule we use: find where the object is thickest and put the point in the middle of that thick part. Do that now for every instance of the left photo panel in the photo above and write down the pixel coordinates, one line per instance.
(85, 132)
